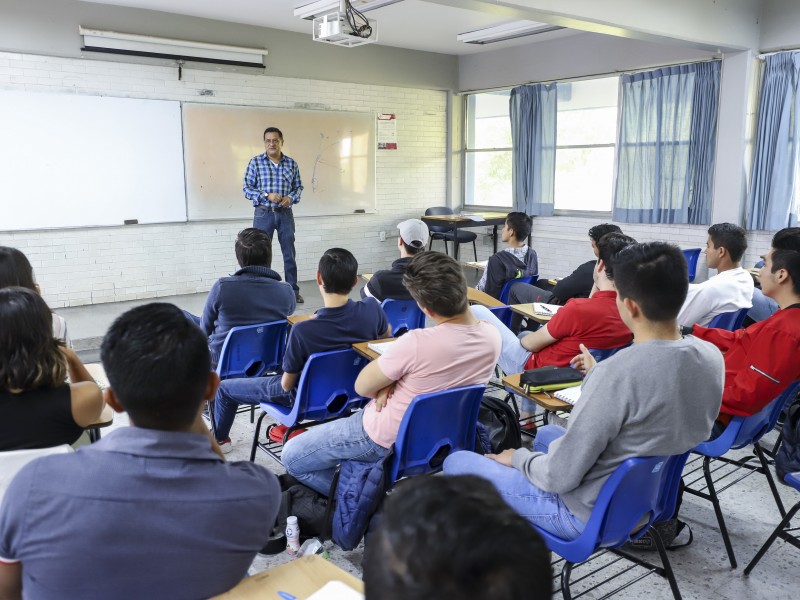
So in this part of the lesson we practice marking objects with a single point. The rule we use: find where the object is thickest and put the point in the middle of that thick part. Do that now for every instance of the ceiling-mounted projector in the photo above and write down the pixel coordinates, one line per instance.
(335, 28)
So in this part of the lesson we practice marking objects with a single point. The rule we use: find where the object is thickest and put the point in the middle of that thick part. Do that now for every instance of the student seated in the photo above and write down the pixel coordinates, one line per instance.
(761, 361)
(730, 289)
(518, 260)
(447, 538)
(657, 398)
(389, 283)
(341, 323)
(16, 270)
(593, 321)
(38, 409)
(151, 510)
(254, 294)
(460, 350)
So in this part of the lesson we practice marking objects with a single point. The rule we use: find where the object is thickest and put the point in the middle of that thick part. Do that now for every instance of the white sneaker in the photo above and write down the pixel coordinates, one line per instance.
(225, 445)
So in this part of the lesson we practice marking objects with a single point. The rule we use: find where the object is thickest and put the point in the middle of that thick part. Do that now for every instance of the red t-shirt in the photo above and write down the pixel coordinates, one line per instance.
(593, 322)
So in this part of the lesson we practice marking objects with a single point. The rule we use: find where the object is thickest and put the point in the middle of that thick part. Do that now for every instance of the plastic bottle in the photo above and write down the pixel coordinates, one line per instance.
(312, 546)
(292, 536)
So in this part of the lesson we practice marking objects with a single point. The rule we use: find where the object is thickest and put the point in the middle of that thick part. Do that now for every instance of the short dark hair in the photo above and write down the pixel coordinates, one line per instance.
(272, 130)
(338, 269)
(30, 357)
(158, 365)
(253, 248)
(731, 237)
(786, 255)
(437, 283)
(520, 223)
(609, 246)
(655, 276)
(412, 250)
(599, 231)
(15, 269)
(452, 538)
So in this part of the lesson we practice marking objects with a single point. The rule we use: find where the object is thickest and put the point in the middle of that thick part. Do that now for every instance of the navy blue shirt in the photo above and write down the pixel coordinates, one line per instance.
(334, 329)
(140, 514)
(250, 296)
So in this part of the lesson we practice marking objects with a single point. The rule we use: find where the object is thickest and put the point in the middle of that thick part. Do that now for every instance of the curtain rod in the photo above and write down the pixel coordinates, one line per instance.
(764, 55)
(589, 76)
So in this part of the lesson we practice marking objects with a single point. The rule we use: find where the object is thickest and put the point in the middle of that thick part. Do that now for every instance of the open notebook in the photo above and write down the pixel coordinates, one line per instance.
(545, 310)
(380, 348)
(570, 395)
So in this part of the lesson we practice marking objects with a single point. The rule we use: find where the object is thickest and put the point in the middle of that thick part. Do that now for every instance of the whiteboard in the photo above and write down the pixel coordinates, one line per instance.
(335, 152)
(76, 161)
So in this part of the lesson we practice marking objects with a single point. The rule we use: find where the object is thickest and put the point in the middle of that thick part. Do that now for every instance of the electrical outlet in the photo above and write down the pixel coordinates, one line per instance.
(382, 235)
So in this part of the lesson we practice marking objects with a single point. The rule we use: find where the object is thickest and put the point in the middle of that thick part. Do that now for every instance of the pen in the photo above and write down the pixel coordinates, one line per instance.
(287, 596)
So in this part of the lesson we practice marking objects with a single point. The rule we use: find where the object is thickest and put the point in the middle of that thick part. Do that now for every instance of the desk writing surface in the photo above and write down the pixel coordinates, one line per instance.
(526, 310)
(477, 297)
(295, 319)
(106, 418)
(547, 402)
(364, 350)
(366, 276)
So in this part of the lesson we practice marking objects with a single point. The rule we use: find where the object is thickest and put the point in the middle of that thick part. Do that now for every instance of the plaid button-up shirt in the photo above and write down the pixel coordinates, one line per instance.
(265, 177)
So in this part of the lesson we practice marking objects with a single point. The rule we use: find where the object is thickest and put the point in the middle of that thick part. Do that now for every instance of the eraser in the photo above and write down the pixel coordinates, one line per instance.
(131, 221)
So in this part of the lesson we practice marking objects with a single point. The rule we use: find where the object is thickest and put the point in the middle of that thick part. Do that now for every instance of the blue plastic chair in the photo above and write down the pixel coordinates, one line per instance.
(691, 255)
(446, 233)
(729, 320)
(325, 391)
(531, 279)
(435, 425)
(740, 432)
(600, 355)
(403, 315)
(783, 530)
(639, 488)
(503, 313)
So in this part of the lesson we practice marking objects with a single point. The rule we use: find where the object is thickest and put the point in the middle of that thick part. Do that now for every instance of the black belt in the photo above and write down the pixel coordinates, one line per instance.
(271, 208)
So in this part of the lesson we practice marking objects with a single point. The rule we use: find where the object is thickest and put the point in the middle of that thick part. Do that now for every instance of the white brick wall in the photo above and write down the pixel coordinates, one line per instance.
(92, 265)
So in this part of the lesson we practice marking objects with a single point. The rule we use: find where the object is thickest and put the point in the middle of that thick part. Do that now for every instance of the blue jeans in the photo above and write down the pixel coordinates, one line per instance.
(512, 355)
(282, 220)
(233, 392)
(312, 457)
(543, 509)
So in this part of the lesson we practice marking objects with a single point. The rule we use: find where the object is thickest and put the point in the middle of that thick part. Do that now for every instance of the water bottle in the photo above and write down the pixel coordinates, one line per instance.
(312, 546)
(292, 536)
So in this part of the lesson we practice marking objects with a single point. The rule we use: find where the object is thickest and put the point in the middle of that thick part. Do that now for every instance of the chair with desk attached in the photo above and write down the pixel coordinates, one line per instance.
(730, 321)
(446, 233)
(325, 392)
(403, 315)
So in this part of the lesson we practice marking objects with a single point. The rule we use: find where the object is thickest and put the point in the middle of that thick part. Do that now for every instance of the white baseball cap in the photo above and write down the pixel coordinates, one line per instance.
(414, 232)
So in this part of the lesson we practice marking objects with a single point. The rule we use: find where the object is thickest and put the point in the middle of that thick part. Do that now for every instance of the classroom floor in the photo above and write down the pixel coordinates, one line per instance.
(702, 569)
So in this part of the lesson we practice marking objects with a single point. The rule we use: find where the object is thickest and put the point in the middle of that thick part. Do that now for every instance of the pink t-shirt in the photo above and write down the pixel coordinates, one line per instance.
(429, 360)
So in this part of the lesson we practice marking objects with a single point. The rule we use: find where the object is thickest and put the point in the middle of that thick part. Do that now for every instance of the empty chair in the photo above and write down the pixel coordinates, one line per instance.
(447, 233)
(730, 320)
(691, 255)
(403, 315)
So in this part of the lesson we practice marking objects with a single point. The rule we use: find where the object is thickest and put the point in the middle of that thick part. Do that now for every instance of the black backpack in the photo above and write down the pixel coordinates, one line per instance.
(787, 458)
(498, 427)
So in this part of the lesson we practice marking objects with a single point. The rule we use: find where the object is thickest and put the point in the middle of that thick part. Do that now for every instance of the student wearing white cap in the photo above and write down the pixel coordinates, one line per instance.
(389, 283)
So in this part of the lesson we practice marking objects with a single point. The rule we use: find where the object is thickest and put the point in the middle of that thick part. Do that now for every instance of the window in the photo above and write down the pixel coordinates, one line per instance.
(487, 172)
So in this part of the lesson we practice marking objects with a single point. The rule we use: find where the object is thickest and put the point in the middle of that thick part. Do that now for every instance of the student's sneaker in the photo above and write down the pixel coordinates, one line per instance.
(277, 432)
(225, 445)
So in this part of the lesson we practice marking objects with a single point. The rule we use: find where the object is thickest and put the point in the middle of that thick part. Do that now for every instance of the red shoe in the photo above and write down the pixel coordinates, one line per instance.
(277, 432)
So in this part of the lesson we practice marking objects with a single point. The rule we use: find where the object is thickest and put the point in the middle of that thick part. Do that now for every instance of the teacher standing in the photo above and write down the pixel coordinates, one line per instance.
(272, 183)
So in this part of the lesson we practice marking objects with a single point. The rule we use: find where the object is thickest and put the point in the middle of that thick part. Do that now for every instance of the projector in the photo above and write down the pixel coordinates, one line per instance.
(334, 29)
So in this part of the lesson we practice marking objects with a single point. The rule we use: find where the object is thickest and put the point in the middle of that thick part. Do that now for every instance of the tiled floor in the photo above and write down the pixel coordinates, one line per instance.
(702, 569)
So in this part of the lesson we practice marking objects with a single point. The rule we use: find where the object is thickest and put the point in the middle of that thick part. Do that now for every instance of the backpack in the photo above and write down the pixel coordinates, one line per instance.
(498, 427)
(787, 458)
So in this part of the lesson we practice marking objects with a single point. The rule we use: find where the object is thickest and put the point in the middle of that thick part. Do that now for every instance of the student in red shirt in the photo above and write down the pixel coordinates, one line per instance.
(761, 361)
(593, 321)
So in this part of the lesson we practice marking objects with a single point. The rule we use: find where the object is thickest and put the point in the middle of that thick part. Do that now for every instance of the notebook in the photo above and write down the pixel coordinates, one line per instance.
(545, 310)
(380, 347)
(569, 395)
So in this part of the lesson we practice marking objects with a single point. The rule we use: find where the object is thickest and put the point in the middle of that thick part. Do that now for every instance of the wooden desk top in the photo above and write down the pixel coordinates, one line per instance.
(526, 310)
(542, 399)
(481, 264)
(301, 578)
(477, 297)
(364, 350)
(485, 216)
(106, 418)
(295, 319)
(366, 276)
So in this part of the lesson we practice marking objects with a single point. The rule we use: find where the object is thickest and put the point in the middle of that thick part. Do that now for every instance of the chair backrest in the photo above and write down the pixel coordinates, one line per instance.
(433, 426)
(730, 320)
(438, 210)
(600, 355)
(692, 254)
(252, 350)
(12, 461)
(503, 313)
(403, 315)
(530, 279)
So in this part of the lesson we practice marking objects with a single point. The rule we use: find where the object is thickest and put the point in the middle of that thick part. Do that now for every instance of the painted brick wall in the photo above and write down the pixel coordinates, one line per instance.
(92, 265)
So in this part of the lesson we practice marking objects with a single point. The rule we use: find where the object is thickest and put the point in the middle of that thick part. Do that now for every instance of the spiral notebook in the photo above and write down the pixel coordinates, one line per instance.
(569, 395)
(545, 310)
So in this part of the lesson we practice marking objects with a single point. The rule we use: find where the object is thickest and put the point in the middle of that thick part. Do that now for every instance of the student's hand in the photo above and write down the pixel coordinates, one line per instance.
(583, 361)
(383, 395)
(504, 458)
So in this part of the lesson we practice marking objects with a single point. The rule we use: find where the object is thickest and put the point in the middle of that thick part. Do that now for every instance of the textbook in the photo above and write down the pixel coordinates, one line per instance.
(569, 395)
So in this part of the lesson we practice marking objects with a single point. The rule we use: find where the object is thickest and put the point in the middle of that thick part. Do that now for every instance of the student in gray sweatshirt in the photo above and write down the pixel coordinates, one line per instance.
(658, 397)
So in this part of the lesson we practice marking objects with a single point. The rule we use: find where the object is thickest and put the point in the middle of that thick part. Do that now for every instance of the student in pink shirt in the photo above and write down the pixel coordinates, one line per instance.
(460, 350)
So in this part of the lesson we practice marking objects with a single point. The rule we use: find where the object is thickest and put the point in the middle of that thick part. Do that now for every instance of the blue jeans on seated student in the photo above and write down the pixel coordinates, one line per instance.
(233, 392)
(512, 355)
(543, 509)
(312, 457)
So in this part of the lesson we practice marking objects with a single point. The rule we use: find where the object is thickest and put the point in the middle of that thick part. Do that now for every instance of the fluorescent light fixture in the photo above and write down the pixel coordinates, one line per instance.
(143, 45)
(323, 7)
(506, 31)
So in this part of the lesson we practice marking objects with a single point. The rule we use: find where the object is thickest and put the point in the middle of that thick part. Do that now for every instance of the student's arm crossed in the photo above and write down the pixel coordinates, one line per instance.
(372, 383)
(538, 340)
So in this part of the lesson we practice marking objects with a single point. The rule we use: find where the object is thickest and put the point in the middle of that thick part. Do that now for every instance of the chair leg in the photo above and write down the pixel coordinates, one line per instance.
(211, 428)
(778, 530)
(252, 413)
(430, 244)
(255, 437)
(475, 250)
(662, 552)
(759, 452)
(446, 249)
(712, 493)
(566, 571)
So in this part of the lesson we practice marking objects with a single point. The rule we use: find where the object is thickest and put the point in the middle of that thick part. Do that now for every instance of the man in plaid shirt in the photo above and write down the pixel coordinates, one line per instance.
(272, 183)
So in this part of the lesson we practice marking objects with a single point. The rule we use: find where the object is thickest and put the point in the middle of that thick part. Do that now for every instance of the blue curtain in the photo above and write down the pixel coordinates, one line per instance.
(532, 109)
(667, 145)
(772, 201)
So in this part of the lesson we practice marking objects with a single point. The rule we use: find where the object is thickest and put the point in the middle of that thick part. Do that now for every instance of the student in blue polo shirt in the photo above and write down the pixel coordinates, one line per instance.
(341, 323)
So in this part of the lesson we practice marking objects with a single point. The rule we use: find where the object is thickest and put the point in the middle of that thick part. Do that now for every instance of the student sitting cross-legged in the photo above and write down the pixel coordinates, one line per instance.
(593, 321)
(341, 323)
(151, 510)
(460, 350)
(657, 398)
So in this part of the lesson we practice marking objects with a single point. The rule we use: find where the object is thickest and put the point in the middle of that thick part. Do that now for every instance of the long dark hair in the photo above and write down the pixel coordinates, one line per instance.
(30, 357)
(15, 269)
